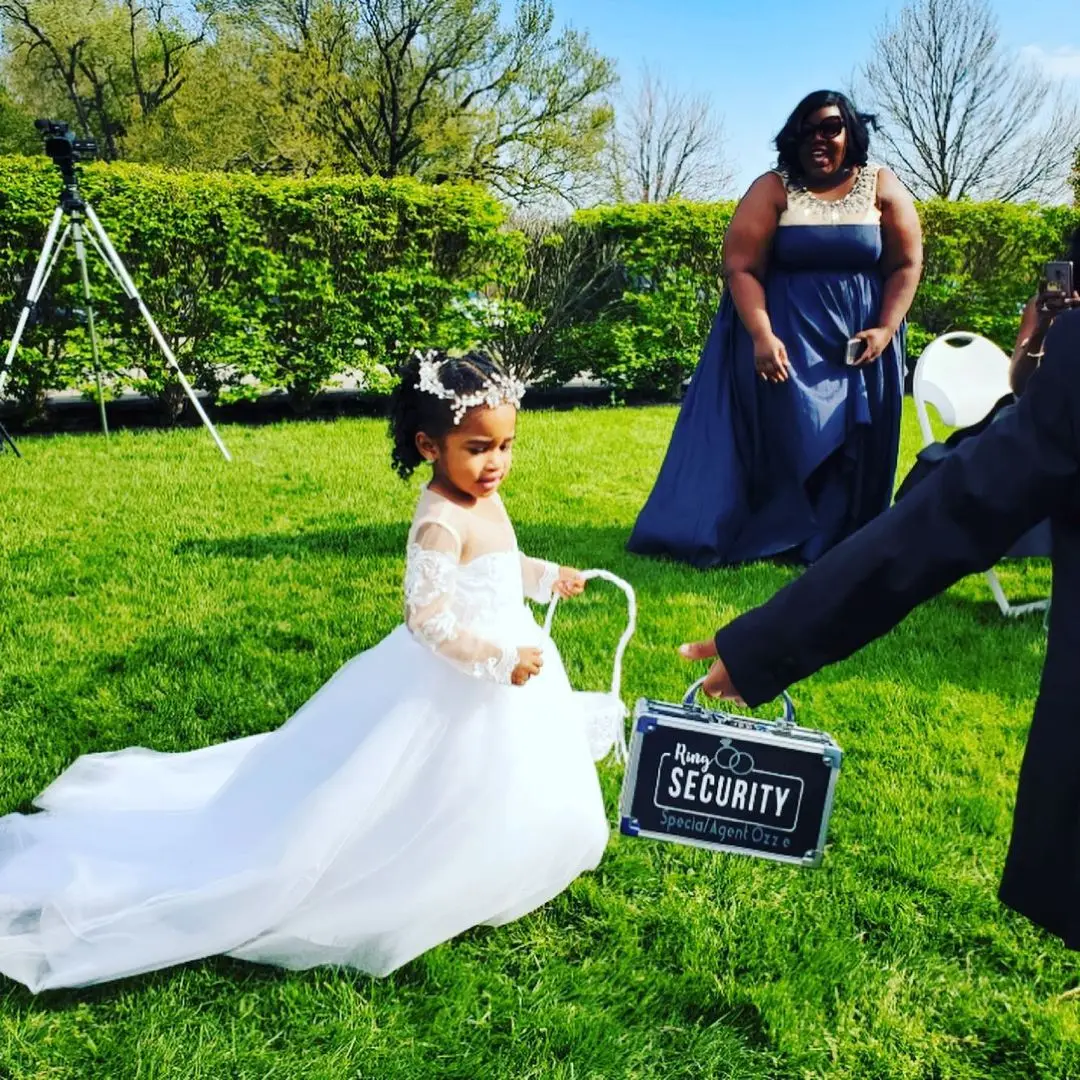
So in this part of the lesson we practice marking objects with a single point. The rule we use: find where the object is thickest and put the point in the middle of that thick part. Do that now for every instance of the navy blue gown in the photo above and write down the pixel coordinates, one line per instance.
(757, 469)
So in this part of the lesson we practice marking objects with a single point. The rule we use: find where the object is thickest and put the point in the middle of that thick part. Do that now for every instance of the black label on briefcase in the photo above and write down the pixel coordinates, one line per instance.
(755, 787)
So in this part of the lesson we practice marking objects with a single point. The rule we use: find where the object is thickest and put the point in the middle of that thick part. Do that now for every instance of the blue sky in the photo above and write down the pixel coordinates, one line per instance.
(756, 59)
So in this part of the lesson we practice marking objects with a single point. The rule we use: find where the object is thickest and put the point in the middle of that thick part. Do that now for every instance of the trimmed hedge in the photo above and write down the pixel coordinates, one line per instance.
(981, 264)
(649, 334)
(255, 282)
(263, 283)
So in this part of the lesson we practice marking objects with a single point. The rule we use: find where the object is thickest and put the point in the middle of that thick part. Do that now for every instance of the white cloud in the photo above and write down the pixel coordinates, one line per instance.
(1060, 63)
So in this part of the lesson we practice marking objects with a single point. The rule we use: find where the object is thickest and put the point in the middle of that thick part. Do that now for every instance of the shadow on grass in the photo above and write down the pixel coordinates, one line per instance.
(941, 624)
(240, 975)
(579, 545)
(235, 977)
(343, 539)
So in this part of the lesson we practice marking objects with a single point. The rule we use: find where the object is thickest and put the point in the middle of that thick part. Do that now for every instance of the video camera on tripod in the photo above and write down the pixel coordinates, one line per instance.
(66, 151)
(81, 224)
(61, 144)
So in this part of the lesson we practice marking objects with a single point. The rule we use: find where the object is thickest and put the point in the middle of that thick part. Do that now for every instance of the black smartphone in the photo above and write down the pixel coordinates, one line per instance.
(1059, 277)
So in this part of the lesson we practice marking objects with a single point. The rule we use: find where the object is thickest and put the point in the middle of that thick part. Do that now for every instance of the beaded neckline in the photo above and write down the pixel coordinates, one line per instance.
(861, 196)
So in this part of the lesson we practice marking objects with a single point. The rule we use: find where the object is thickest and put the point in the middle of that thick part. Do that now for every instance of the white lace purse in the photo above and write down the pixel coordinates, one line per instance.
(605, 712)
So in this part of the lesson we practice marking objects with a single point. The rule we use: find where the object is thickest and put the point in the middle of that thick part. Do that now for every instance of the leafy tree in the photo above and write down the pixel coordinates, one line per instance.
(108, 66)
(442, 89)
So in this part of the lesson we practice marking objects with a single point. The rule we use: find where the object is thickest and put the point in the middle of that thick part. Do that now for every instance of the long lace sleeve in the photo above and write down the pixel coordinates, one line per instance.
(431, 569)
(539, 578)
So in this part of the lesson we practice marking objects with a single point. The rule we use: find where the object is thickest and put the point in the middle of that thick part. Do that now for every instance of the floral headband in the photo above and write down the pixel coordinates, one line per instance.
(500, 389)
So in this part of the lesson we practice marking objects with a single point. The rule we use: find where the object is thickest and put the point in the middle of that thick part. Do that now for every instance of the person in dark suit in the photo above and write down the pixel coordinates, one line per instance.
(961, 519)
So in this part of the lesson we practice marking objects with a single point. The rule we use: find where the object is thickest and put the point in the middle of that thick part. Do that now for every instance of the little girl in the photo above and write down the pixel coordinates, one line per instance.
(440, 780)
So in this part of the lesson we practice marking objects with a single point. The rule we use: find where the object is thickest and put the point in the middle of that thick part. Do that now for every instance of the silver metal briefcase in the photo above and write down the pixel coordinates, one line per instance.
(732, 783)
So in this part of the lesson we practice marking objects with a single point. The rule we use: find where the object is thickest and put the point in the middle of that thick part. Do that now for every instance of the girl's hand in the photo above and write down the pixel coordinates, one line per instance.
(771, 359)
(877, 341)
(530, 661)
(569, 582)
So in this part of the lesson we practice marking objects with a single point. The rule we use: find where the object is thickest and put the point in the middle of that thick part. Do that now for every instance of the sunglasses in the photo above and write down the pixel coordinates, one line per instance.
(829, 128)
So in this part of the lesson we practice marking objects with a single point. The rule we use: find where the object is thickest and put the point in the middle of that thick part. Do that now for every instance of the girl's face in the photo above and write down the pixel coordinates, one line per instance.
(473, 459)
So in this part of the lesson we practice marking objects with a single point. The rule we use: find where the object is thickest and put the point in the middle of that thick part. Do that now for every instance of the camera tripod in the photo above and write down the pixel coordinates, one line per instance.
(79, 214)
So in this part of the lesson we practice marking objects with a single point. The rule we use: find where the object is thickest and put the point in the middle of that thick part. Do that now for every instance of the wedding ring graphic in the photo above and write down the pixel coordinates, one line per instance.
(735, 761)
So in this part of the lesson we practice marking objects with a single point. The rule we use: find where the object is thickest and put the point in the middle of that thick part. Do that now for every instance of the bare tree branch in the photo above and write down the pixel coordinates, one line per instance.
(668, 144)
(63, 59)
(962, 119)
(571, 272)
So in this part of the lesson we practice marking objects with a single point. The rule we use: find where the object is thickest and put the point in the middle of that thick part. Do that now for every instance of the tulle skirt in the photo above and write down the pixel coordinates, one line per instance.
(402, 804)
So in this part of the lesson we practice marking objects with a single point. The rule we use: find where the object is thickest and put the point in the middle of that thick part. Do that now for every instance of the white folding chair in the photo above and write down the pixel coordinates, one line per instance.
(963, 375)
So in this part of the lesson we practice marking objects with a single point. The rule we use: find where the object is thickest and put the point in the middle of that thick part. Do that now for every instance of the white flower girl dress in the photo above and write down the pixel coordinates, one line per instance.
(415, 795)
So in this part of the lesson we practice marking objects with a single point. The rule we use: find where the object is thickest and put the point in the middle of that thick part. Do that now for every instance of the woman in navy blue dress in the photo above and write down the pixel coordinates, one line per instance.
(782, 446)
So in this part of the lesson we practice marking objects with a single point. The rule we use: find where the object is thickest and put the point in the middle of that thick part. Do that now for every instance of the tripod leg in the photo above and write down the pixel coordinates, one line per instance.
(36, 285)
(129, 287)
(56, 255)
(80, 254)
(6, 438)
(105, 259)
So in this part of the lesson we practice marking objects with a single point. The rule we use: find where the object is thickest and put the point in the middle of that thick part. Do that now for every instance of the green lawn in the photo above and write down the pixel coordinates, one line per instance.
(153, 594)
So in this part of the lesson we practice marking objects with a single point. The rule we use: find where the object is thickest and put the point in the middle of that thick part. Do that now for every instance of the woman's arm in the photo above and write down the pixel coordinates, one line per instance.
(1039, 316)
(746, 250)
(901, 234)
(1028, 348)
(746, 257)
(901, 263)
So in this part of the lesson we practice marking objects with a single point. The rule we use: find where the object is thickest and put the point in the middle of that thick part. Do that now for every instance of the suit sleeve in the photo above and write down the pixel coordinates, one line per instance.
(960, 520)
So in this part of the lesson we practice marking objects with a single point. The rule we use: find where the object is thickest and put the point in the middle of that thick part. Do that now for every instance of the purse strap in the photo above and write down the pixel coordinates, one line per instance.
(631, 620)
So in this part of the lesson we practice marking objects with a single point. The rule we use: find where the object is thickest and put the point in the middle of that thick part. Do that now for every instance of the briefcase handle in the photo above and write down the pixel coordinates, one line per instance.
(631, 620)
(787, 720)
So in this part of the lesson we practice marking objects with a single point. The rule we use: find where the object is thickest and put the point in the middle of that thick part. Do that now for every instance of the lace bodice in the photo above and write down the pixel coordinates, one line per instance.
(465, 580)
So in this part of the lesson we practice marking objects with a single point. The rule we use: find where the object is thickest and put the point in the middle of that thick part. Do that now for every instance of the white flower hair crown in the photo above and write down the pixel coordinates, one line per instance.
(498, 389)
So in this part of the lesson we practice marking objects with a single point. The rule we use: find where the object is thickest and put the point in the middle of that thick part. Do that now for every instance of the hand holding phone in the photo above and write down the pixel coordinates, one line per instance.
(855, 348)
(1057, 293)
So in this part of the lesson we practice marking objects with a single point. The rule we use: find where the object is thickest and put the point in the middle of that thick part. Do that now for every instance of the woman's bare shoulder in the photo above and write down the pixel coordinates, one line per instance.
(768, 190)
